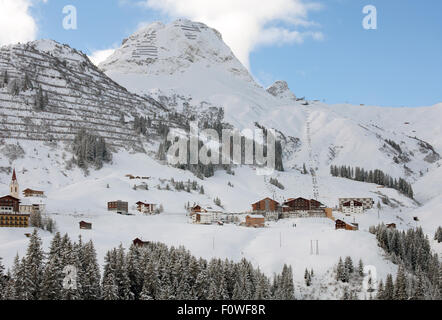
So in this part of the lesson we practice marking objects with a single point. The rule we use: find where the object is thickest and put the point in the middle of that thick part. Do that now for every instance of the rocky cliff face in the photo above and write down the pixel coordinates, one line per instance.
(281, 90)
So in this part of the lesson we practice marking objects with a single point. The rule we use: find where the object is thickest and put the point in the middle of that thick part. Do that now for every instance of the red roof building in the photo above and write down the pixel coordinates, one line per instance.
(301, 204)
(266, 205)
(9, 204)
(139, 243)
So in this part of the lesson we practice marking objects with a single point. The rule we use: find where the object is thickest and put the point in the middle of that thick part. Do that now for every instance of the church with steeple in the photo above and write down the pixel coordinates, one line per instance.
(10, 213)
(14, 189)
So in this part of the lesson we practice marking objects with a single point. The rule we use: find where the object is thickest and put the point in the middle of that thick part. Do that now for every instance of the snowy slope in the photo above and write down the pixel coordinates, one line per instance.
(185, 66)
(199, 70)
(78, 96)
(72, 197)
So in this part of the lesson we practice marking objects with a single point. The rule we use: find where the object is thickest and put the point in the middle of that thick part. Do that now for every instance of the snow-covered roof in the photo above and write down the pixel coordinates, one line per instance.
(255, 216)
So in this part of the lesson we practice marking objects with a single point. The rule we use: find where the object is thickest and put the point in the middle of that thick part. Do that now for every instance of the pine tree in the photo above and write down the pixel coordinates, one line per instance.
(439, 280)
(146, 292)
(438, 235)
(213, 293)
(287, 284)
(122, 277)
(19, 279)
(361, 268)
(151, 281)
(53, 272)
(8, 290)
(110, 288)
(264, 292)
(35, 220)
(34, 268)
(340, 271)
(2, 281)
(389, 288)
(135, 271)
(349, 265)
(380, 294)
(420, 288)
(91, 271)
(400, 286)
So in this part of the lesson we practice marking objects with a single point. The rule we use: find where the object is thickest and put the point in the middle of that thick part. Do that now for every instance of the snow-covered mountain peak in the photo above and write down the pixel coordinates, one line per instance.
(167, 49)
(60, 51)
(280, 89)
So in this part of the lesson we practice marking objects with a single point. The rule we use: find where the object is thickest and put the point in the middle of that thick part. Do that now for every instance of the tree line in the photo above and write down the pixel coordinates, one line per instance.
(438, 235)
(373, 176)
(420, 271)
(90, 149)
(152, 272)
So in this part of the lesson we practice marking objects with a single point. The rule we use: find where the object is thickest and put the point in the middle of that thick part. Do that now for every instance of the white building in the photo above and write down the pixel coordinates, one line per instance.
(146, 208)
(367, 203)
(29, 206)
(204, 218)
(352, 207)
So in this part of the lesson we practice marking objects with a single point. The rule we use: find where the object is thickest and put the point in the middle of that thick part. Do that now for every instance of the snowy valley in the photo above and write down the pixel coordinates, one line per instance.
(166, 75)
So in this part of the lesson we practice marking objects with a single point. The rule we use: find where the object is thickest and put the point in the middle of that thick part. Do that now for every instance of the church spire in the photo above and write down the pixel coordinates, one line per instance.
(14, 187)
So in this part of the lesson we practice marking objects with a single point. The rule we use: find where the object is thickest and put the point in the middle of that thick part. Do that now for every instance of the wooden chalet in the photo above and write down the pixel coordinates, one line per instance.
(9, 204)
(197, 209)
(255, 221)
(342, 225)
(266, 205)
(33, 193)
(119, 207)
(147, 208)
(301, 204)
(85, 225)
(139, 243)
(391, 226)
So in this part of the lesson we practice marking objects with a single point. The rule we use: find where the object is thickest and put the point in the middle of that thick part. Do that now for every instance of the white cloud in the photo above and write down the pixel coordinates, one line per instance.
(246, 24)
(100, 55)
(16, 22)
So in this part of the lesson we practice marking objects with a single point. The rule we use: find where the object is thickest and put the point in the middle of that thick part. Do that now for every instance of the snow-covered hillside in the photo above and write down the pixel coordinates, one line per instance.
(170, 74)
(72, 197)
(198, 70)
(49, 91)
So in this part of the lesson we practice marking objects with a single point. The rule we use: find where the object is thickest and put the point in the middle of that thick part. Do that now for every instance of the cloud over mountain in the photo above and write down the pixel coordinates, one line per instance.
(247, 24)
(16, 21)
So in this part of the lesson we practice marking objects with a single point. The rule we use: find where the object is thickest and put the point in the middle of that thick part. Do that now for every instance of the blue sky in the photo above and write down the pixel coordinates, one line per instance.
(399, 64)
